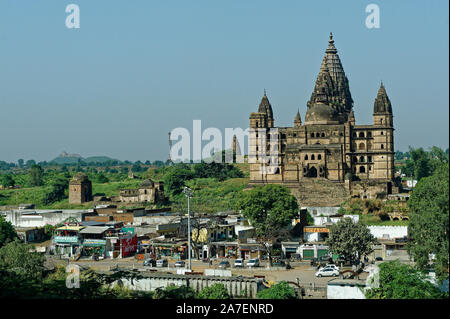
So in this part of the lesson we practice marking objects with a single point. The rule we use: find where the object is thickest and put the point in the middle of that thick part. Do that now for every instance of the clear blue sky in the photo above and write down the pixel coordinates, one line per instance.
(137, 69)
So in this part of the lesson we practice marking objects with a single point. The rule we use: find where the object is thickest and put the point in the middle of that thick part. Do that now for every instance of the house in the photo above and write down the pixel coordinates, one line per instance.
(93, 240)
(30, 234)
(67, 240)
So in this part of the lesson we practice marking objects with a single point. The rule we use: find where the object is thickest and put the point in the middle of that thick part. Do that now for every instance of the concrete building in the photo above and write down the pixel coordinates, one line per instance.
(40, 218)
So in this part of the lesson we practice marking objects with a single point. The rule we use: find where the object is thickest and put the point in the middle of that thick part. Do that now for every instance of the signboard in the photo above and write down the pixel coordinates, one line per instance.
(94, 242)
(128, 245)
(128, 230)
(316, 230)
(66, 239)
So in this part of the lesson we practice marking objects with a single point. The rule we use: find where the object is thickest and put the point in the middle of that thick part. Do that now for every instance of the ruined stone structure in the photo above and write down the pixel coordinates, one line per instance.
(148, 191)
(80, 189)
(328, 157)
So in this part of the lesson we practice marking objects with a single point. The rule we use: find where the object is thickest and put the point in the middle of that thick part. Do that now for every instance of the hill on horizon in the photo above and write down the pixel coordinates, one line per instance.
(66, 158)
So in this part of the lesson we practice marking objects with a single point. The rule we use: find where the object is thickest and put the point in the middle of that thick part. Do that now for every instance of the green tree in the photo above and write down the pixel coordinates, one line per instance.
(409, 168)
(30, 163)
(21, 162)
(400, 281)
(57, 192)
(429, 221)
(7, 180)
(269, 208)
(7, 232)
(136, 168)
(220, 171)
(349, 239)
(175, 179)
(216, 291)
(281, 290)
(36, 175)
(101, 178)
(174, 292)
(17, 258)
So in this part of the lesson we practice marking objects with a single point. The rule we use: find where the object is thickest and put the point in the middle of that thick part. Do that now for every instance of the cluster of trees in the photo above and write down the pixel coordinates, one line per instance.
(270, 209)
(399, 155)
(177, 175)
(400, 281)
(421, 163)
(395, 280)
(351, 240)
(78, 163)
(429, 222)
(281, 290)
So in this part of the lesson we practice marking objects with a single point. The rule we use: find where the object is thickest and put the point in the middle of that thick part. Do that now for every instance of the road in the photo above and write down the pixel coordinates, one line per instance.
(304, 273)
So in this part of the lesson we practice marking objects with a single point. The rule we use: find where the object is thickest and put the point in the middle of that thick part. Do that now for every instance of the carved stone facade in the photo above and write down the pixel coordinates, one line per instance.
(328, 145)
(80, 189)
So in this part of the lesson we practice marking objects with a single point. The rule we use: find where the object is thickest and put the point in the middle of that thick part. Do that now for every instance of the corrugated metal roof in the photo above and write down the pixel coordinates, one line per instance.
(94, 230)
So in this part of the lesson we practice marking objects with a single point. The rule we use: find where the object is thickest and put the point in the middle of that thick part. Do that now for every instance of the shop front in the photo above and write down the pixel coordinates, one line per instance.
(174, 250)
(92, 247)
(67, 241)
(249, 251)
(224, 250)
(315, 233)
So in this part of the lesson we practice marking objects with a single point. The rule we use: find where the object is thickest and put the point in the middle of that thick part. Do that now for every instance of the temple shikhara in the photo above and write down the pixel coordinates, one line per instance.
(327, 158)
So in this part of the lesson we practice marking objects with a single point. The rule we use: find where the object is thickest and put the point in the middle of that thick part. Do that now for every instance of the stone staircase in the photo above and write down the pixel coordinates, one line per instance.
(319, 192)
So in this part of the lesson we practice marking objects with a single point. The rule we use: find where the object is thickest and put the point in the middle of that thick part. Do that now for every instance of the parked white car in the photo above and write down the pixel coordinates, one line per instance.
(239, 263)
(162, 263)
(253, 263)
(332, 266)
(327, 272)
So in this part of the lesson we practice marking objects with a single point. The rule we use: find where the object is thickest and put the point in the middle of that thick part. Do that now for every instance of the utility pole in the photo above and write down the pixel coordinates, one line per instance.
(188, 192)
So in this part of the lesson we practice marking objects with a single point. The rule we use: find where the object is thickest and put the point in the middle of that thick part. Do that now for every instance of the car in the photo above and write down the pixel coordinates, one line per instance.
(150, 262)
(239, 263)
(224, 264)
(379, 259)
(331, 266)
(180, 263)
(327, 272)
(253, 262)
(162, 263)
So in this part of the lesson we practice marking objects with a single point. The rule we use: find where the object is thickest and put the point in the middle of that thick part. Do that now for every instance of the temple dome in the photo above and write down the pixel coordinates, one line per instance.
(148, 183)
(321, 113)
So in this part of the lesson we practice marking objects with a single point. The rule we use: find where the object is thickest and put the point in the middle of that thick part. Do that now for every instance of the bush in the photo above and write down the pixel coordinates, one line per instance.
(216, 291)
(279, 291)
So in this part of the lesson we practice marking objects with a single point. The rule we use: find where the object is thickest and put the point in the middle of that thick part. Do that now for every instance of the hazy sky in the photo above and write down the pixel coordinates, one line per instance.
(137, 69)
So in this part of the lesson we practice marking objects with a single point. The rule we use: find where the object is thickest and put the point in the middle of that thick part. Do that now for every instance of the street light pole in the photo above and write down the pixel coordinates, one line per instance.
(188, 193)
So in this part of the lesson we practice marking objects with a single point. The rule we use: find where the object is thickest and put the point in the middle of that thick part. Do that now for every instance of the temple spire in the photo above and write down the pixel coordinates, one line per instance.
(331, 48)
(382, 103)
(266, 107)
(332, 86)
(297, 119)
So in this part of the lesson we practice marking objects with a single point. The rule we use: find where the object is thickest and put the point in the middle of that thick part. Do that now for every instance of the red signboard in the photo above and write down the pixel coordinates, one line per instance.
(128, 245)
